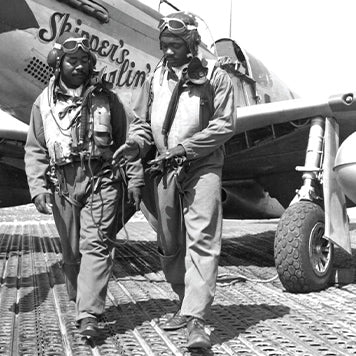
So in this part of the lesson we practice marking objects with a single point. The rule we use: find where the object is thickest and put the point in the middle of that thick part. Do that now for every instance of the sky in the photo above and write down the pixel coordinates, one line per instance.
(309, 44)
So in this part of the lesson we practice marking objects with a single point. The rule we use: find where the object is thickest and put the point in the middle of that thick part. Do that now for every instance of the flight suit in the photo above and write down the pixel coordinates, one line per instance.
(87, 192)
(188, 199)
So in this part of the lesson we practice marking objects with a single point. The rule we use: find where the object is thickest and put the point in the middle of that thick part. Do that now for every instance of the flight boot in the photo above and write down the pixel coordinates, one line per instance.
(88, 327)
(197, 336)
(177, 321)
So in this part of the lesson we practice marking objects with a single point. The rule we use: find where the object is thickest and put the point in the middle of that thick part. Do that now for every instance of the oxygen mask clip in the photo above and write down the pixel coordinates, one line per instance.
(197, 71)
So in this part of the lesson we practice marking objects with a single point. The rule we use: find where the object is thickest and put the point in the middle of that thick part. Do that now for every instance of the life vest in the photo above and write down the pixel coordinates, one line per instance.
(65, 122)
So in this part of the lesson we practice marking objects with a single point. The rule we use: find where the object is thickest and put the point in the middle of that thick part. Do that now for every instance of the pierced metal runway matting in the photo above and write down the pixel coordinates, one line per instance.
(252, 317)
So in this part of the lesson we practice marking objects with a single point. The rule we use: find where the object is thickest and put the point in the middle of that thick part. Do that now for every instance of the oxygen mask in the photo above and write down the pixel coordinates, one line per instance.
(197, 71)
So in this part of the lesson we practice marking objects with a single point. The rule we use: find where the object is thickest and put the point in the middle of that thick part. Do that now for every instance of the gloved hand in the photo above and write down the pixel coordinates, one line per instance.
(134, 195)
(129, 150)
(177, 151)
(43, 203)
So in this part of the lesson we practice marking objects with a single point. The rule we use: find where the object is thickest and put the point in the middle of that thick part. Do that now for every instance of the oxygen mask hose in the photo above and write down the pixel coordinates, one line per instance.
(120, 167)
(95, 187)
(83, 125)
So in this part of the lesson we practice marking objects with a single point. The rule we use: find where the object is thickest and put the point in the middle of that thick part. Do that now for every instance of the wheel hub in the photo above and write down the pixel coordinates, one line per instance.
(319, 249)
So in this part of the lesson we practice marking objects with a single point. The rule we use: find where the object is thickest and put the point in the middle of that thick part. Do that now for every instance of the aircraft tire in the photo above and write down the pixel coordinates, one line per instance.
(303, 258)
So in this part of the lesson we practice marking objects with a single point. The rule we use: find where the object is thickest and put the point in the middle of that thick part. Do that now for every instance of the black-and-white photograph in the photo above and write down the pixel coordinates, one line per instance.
(177, 177)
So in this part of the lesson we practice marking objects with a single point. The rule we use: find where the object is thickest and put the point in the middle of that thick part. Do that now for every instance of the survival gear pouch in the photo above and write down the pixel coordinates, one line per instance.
(101, 129)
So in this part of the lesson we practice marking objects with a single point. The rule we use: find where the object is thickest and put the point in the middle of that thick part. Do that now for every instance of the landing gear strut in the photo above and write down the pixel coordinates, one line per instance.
(303, 256)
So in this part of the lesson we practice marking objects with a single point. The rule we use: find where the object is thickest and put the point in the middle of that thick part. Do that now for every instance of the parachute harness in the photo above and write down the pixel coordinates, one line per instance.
(57, 178)
(56, 172)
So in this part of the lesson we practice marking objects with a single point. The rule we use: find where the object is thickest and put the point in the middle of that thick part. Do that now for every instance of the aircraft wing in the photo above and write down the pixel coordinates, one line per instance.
(12, 129)
(341, 111)
(13, 182)
(342, 107)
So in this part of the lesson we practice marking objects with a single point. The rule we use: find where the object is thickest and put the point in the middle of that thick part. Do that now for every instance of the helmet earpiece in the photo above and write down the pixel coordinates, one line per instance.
(194, 42)
(92, 59)
(54, 56)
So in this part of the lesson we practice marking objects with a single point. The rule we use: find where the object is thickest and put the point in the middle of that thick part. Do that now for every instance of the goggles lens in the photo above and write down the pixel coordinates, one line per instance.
(72, 44)
(174, 25)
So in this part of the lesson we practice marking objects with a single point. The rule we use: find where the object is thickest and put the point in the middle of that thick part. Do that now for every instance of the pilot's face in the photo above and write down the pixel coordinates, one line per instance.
(175, 50)
(75, 68)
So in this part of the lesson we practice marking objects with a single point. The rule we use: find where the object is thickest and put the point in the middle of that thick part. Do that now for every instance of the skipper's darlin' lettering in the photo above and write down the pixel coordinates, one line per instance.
(126, 74)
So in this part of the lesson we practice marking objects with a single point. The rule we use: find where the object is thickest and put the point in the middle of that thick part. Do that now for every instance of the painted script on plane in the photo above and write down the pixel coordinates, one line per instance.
(126, 75)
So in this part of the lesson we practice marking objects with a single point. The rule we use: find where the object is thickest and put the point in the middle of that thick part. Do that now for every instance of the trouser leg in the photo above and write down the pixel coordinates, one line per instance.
(66, 217)
(98, 223)
(148, 203)
(203, 221)
(170, 233)
(190, 249)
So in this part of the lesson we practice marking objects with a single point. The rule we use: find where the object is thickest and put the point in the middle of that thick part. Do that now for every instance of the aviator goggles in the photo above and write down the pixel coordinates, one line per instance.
(174, 25)
(71, 45)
